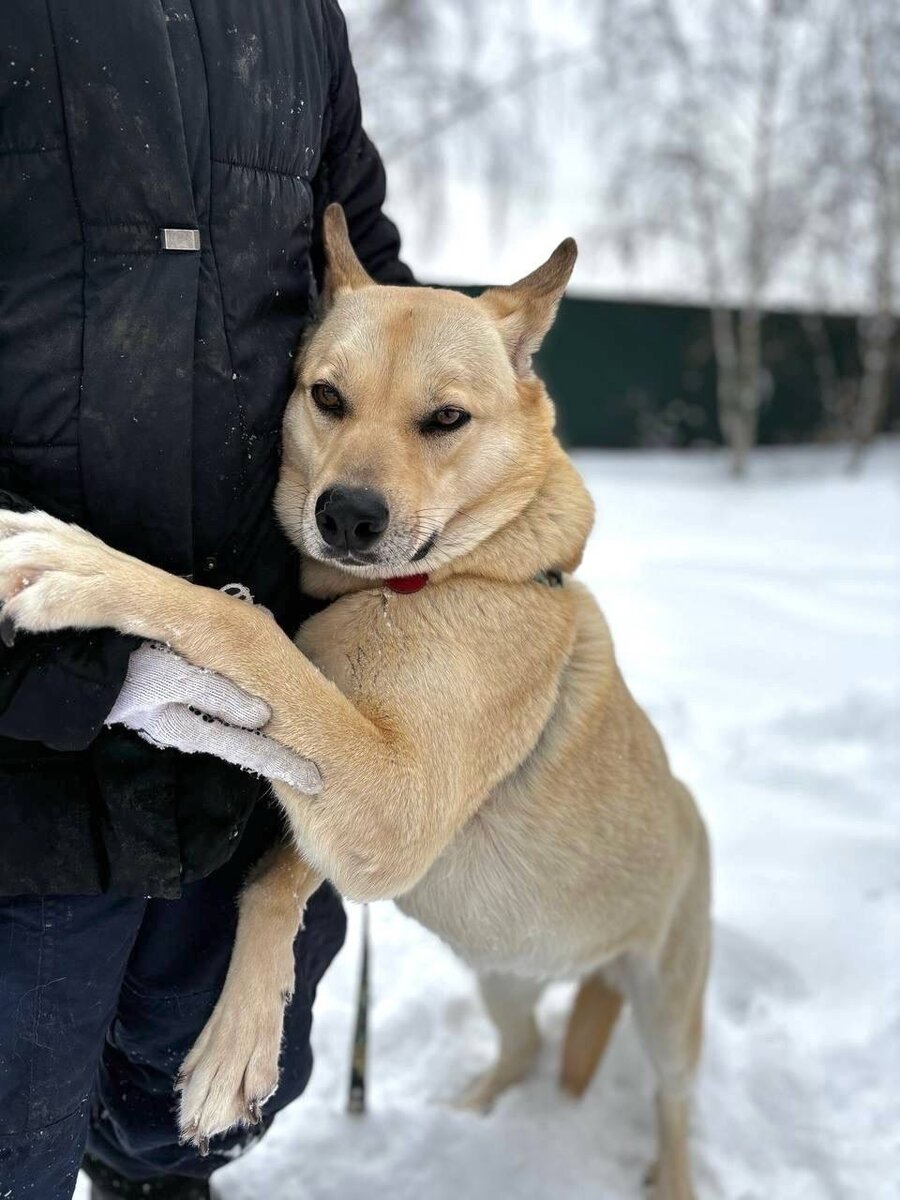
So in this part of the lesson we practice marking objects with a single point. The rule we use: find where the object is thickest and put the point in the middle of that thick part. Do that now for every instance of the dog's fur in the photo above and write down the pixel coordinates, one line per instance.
(482, 759)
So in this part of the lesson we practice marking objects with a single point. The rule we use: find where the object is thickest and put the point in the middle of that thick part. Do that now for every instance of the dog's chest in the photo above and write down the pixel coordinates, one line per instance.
(494, 892)
(357, 642)
(492, 896)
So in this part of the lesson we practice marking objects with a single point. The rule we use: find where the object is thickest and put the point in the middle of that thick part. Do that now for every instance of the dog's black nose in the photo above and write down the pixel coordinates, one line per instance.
(351, 519)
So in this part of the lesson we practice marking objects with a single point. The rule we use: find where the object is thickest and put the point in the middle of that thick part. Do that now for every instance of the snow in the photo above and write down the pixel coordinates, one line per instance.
(760, 626)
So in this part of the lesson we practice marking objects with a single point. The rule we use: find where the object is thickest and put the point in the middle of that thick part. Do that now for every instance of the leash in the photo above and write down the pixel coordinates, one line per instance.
(356, 1100)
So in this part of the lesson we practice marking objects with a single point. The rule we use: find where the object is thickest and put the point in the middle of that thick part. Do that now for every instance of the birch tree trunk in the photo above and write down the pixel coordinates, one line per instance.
(743, 420)
(876, 333)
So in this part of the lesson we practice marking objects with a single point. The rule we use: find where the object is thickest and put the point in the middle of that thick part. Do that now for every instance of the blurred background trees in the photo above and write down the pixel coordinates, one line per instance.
(742, 155)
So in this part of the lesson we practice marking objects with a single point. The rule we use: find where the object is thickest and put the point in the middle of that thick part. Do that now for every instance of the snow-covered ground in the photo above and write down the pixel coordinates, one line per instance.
(760, 626)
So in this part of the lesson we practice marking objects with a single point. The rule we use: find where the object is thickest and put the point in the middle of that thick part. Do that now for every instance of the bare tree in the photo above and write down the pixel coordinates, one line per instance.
(638, 47)
(457, 90)
(838, 391)
(763, 135)
(878, 31)
(722, 167)
(856, 210)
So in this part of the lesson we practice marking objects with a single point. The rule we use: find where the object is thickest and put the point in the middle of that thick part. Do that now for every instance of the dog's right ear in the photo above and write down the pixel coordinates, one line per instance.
(344, 272)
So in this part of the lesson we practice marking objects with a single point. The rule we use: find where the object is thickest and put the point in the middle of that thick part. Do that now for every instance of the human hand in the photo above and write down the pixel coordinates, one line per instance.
(169, 702)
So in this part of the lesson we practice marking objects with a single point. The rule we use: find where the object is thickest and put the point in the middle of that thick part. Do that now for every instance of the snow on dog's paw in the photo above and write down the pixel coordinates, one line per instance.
(231, 1071)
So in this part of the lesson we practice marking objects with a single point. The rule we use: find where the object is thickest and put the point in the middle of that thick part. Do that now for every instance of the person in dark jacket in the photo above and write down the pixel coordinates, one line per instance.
(163, 169)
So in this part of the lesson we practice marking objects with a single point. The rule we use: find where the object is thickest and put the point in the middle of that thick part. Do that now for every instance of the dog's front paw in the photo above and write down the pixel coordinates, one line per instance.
(231, 1071)
(510, 1068)
(52, 575)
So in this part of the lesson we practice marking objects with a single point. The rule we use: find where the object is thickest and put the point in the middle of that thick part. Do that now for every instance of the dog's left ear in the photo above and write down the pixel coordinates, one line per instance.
(344, 272)
(524, 311)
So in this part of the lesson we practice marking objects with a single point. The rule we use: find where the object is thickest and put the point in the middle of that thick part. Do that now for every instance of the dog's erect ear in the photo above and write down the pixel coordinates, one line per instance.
(525, 310)
(344, 273)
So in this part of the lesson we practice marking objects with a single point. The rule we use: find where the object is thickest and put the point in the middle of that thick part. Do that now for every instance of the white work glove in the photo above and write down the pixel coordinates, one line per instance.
(170, 702)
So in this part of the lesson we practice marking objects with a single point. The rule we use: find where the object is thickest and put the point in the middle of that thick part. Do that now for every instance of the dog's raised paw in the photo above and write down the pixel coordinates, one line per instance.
(231, 1071)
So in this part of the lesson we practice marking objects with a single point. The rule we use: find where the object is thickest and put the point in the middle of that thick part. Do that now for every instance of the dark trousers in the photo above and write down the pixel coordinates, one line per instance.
(101, 997)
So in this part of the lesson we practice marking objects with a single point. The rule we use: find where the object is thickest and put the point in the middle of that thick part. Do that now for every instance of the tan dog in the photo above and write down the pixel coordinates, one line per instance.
(482, 759)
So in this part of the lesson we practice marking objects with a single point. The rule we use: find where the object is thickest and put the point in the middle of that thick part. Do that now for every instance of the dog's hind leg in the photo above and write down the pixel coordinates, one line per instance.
(510, 1001)
(667, 997)
(594, 1015)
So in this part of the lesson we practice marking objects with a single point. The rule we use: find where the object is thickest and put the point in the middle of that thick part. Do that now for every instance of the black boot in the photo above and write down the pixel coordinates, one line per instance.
(106, 1184)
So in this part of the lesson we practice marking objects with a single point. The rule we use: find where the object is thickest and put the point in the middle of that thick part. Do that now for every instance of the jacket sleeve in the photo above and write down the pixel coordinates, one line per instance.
(351, 171)
(59, 688)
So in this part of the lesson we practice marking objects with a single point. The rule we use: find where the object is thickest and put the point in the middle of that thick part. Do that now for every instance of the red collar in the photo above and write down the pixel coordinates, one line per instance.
(404, 585)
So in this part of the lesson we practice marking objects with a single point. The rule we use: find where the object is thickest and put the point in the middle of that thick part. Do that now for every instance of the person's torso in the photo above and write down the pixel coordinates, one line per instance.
(142, 388)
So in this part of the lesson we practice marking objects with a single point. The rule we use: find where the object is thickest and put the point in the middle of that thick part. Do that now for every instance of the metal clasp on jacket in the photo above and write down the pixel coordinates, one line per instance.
(180, 239)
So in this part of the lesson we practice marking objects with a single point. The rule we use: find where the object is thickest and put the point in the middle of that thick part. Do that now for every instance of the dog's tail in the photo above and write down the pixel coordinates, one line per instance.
(594, 1014)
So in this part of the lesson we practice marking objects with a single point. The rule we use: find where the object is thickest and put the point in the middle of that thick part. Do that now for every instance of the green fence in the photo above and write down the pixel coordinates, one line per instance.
(629, 374)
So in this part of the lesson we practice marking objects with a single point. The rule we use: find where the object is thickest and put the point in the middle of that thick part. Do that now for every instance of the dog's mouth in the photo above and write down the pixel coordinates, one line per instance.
(362, 558)
(340, 559)
(426, 548)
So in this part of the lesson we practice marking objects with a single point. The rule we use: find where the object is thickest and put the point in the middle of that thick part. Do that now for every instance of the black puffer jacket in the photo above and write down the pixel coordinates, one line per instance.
(142, 388)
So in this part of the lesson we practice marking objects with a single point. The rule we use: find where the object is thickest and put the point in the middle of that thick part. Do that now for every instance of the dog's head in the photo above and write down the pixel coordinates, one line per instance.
(416, 428)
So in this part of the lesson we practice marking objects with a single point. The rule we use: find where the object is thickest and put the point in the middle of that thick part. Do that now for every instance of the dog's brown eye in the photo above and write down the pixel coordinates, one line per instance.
(327, 398)
(442, 420)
